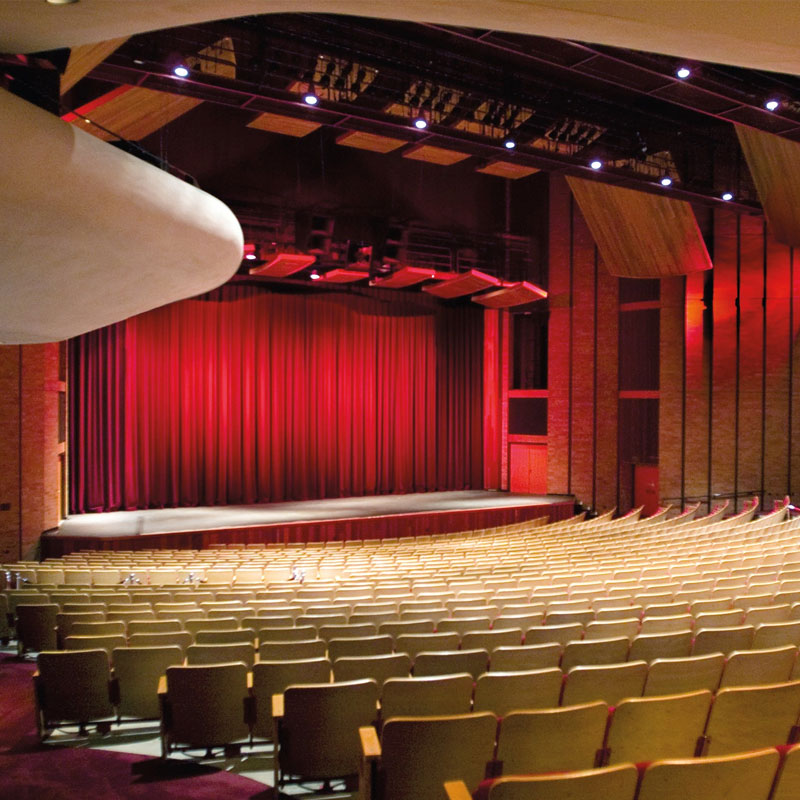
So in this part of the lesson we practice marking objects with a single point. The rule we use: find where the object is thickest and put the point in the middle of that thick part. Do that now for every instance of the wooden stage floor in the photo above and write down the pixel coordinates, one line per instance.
(311, 520)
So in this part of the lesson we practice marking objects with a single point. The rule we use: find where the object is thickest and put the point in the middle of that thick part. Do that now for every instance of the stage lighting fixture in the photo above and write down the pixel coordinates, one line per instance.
(772, 104)
(509, 144)
(596, 164)
(314, 275)
(420, 123)
(683, 72)
(181, 71)
(310, 99)
(727, 196)
(666, 181)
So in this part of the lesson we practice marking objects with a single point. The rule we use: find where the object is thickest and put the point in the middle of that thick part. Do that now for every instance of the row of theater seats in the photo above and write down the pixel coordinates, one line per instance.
(317, 726)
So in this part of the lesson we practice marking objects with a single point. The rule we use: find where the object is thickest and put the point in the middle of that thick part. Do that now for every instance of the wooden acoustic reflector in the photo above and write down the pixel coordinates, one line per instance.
(279, 265)
(435, 155)
(641, 235)
(774, 163)
(507, 169)
(374, 142)
(515, 294)
(404, 277)
(288, 126)
(342, 275)
(130, 112)
(216, 59)
(83, 59)
(463, 284)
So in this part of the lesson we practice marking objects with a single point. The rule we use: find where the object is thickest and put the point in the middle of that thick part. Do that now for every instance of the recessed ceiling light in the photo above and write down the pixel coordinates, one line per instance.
(310, 98)
(509, 144)
(596, 164)
(666, 181)
(315, 276)
(420, 123)
(683, 72)
(181, 71)
(772, 105)
(727, 196)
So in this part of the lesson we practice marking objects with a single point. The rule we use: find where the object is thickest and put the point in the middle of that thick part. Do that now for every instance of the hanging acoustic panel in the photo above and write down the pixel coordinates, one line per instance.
(641, 235)
(775, 166)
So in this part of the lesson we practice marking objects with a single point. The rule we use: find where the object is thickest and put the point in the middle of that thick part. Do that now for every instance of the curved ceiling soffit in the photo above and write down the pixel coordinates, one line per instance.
(91, 235)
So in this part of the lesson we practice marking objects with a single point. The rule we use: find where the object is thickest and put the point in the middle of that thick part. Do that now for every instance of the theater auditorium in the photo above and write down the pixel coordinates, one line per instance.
(397, 400)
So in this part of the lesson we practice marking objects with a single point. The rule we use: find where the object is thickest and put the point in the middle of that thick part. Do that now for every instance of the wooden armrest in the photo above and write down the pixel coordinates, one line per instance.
(457, 790)
(162, 684)
(277, 706)
(370, 744)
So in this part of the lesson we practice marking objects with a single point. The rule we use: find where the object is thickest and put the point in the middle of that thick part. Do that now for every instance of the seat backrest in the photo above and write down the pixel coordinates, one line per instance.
(650, 646)
(749, 717)
(297, 634)
(490, 640)
(98, 629)
(415, 643)
(675, 622)
(649, 728)
(180, 638)
(547, 634)
(319, 729)
(447, 662)
(356, 631)
(395, 628)
(238, 636)
(206, 704)
(291, 651)
(609, 683)
(197, 654)
(525, 657)
(607, 783)
(501, 692)
(107, 642)
(611, 628)
(419, 754)
(462, 625)
(137, 671)
(551, 740)
(759, 667)
(723, 640)
(360, 646)
(434, 696)
(595, 651)
(36, 626)
(379, 667)
(680, 675)
(154, 626)
(74, 686)
(274, 677)
(225, 624)
(747, 776)
(776, 634)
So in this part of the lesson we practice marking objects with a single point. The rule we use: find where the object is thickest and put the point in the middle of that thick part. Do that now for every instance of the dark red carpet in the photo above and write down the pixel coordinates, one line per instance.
(29, 771)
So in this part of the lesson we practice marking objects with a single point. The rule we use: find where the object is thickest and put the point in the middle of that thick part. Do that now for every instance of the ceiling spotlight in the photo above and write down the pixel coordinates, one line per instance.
(420, 123)
(251, 256)
(596, 164)
(727, 196)
(666, 181)
(683, 72)
(310, 99)
(509, 144)
(314, 275)
(772, 104)
(181, 71)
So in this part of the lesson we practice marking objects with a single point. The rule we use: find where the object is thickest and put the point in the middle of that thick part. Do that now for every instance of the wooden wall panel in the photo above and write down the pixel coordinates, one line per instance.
(725, 354)
(671, 383)
(559, 342)
(751, 410)
(84, 58)
(774, 163)
(641, 235)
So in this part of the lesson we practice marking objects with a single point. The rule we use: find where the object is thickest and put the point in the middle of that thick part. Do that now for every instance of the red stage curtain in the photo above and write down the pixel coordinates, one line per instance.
(249, 395)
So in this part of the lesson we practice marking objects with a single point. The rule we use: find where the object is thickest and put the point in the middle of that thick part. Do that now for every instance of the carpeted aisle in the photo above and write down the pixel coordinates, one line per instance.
(30, 771)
